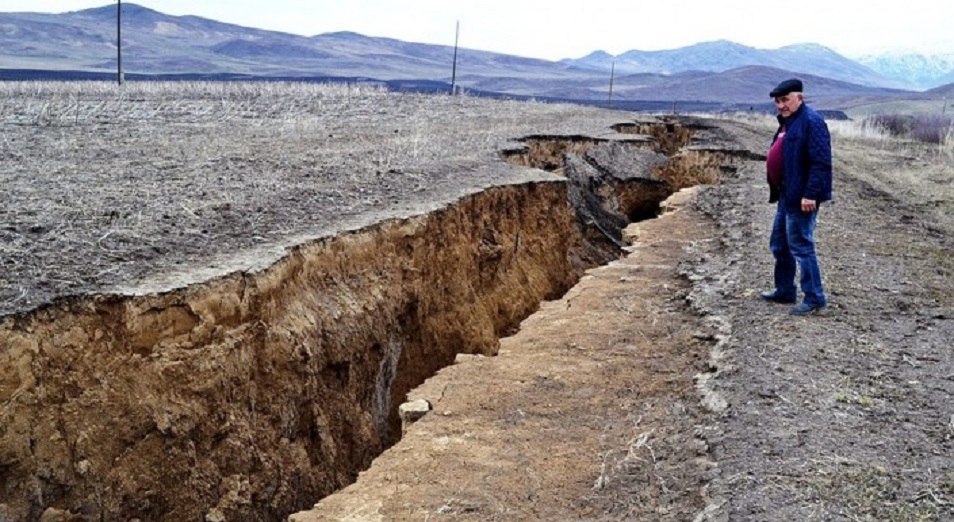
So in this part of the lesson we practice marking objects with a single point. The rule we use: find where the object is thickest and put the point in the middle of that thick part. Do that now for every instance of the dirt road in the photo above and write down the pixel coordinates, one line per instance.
(847, 415)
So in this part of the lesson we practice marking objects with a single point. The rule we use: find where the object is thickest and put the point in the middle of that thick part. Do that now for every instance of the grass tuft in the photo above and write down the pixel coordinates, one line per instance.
(858, 491)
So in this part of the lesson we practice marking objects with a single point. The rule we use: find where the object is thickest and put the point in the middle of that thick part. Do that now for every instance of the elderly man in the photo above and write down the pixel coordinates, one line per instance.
(799, 176)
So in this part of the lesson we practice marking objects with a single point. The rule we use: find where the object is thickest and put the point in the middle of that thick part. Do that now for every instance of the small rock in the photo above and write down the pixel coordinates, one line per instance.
(411, 412)
(82, 467)
(464, 357)
(57, 515)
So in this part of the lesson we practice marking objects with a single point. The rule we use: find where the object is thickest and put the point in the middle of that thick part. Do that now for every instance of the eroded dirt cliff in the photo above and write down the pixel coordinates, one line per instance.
(256, 392)
(250, 396)
(590, 412)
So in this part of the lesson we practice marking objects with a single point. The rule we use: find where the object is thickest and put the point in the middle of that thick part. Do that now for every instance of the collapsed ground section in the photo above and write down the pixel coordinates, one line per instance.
(269, 390)
(588, 412)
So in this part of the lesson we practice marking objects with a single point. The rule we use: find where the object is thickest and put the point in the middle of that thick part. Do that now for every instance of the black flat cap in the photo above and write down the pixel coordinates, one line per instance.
(787, 87)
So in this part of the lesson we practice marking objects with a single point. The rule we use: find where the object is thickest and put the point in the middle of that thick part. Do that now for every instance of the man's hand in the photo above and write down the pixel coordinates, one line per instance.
(809, 205)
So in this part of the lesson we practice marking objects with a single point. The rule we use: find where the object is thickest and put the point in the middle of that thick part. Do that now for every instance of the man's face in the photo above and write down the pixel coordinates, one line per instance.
(788, 103)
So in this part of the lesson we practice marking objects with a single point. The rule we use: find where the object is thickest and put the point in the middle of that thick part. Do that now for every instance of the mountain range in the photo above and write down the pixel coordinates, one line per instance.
(154, 43)
(724, 55)
(920, 71)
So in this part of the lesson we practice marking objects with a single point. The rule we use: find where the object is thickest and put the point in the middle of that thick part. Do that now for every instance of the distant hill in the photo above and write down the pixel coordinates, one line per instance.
(944, 92)
(722, 55)
(750, 82)
(157, 43)
(83, 42)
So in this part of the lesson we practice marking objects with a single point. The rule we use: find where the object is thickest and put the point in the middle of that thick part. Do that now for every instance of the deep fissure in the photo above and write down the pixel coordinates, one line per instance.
(289, 381)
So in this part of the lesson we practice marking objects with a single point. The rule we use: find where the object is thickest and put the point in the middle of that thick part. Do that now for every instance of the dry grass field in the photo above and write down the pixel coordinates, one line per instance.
(107, 187)
(213, 297)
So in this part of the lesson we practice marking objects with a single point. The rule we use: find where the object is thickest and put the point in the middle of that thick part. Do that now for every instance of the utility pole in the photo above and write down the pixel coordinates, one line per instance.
(609, 101)
(454, 68)
(119, 42)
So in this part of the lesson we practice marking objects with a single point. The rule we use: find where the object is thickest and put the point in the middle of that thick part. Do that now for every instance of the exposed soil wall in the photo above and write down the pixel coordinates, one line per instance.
(253, 395)
(256, 393)
(589, 412)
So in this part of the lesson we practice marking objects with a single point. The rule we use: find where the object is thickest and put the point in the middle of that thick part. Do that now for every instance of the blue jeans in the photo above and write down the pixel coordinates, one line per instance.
(793, 244)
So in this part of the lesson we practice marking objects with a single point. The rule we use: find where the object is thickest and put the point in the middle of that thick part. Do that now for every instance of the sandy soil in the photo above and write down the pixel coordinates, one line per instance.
(590, 412)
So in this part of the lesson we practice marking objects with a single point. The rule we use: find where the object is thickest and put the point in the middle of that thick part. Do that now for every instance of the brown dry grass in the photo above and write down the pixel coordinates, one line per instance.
(917, 173)
(912, 172)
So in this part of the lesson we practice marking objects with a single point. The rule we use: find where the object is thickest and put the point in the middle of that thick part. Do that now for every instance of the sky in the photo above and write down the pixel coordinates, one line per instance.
(553, 30)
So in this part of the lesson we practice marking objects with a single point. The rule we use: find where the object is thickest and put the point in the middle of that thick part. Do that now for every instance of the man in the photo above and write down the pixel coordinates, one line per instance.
(799, 175)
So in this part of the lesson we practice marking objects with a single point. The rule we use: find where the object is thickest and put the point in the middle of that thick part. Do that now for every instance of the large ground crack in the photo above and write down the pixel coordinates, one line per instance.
(255, 394)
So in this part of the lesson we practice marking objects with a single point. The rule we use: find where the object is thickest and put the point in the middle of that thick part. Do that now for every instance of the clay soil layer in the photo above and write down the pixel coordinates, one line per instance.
(589, 412)
(213, 301)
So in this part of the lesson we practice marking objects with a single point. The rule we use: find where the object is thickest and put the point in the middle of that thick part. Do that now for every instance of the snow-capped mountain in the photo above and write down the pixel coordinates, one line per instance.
(723, 55)
(922, 71)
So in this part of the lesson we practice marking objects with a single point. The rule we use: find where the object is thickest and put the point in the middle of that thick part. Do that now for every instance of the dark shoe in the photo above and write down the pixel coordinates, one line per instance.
(805, 309)
(774, 297)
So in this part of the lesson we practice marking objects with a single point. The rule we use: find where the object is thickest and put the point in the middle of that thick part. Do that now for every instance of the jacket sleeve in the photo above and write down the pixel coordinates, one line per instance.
(818, 183)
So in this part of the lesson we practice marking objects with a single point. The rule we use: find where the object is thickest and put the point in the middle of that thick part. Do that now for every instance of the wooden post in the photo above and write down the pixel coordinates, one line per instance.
(119, 42)
(609, 101)
(454, 68)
